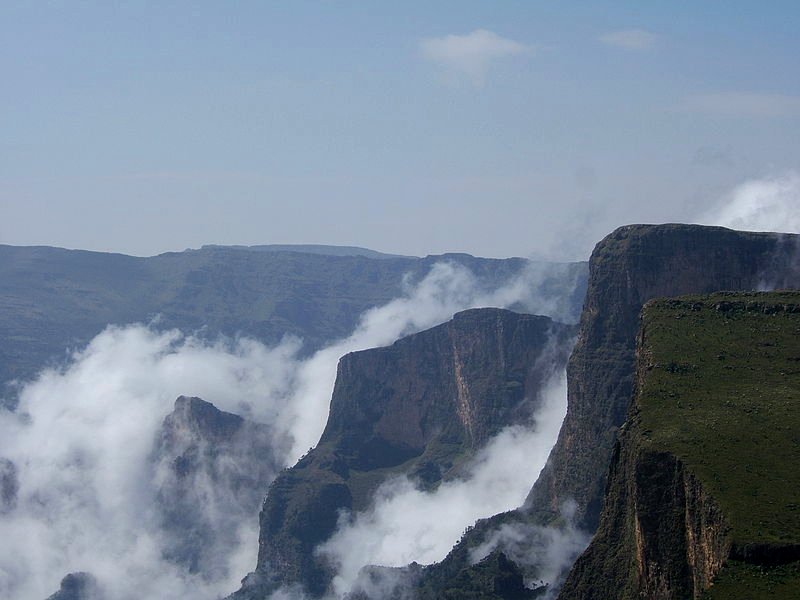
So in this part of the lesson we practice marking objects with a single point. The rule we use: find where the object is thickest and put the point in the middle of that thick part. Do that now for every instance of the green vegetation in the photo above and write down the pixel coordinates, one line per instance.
(720, 390)
(743, 581)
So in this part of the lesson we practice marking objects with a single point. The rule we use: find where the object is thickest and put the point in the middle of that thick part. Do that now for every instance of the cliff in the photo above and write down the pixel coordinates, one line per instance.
(211, 469)
(704, 489)
(630, 266)
(422, 408)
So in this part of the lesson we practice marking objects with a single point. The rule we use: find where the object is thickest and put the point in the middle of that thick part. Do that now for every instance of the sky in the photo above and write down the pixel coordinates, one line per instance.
(526, 128)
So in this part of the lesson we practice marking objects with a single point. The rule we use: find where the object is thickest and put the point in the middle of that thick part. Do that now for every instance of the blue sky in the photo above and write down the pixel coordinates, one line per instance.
(496, 128)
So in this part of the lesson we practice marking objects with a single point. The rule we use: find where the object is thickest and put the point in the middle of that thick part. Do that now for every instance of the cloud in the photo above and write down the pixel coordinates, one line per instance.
(743, 104)
(472, 54)
(406, 524)
(81, 438)
(551, 551)
(769, 204)
(629, 39)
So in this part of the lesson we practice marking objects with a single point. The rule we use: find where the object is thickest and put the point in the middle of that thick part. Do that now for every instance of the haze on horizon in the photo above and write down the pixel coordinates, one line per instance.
(527, 128)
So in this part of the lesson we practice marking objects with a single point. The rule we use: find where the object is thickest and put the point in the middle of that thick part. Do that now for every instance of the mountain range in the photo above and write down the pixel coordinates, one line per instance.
(661, 466)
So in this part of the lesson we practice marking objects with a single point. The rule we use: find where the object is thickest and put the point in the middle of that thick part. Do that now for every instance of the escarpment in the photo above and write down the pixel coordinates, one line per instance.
(704, 488)
(629, 267)
(421, 408)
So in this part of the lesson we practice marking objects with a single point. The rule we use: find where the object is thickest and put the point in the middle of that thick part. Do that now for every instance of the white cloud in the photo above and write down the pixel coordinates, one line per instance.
(81, 440)
(770, 204)
(471, 54)
(630, 39)
(744, 104)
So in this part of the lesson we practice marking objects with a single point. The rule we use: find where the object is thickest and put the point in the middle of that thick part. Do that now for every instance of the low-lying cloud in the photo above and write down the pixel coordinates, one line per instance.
(80, 441)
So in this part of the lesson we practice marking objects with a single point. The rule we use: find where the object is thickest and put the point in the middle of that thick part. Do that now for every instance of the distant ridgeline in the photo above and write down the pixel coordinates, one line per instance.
(52, 299)
(704, 490)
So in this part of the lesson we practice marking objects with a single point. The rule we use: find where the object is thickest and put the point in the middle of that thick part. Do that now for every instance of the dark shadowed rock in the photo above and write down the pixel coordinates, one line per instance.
(212, 469)
(8, 485)
(421, 407)
(78, 586)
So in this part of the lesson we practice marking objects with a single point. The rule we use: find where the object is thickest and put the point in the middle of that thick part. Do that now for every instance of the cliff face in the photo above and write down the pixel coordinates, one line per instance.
(421, 407)
(211, 469)
(703, 485)
(629, 267)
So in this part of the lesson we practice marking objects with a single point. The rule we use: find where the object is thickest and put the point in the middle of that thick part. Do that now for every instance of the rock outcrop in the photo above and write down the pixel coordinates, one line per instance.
(211, 469)
(421, 407)
(704, 488)
(9, 485)
(78, 586)
(629, 267)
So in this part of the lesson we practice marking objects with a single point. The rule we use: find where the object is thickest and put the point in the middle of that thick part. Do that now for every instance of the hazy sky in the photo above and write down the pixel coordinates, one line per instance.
(495, 128)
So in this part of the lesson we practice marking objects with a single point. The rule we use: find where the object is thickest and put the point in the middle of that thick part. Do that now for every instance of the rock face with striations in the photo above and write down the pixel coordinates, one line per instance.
(421, 407)
(704, 488)
(629, 267)
(211, 469)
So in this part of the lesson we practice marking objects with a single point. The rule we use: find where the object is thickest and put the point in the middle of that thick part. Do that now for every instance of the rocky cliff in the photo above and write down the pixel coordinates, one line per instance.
(211, 471)
(421, 407)
(704, 489)
(629, 267)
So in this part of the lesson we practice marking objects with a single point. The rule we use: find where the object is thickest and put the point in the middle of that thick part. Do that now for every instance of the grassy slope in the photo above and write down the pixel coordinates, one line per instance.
(723, 395)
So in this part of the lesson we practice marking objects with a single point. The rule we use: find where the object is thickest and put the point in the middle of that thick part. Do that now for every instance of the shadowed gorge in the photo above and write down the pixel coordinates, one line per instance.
(703, 490)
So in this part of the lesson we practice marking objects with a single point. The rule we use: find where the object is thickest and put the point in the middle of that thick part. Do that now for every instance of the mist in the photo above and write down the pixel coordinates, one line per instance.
(82, 435)
(767, 204)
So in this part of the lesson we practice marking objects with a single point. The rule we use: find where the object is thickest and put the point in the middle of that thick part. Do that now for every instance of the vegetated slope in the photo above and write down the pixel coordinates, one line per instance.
(52, 299)
(422, 408)
(627, 268)
(704, 487)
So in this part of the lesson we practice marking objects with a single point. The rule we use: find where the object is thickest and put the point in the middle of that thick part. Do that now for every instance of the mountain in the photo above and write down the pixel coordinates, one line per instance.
(52, 299)
(313, 249)
(422, 408)
(629, 267)
(704, 485)
(211, 469)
